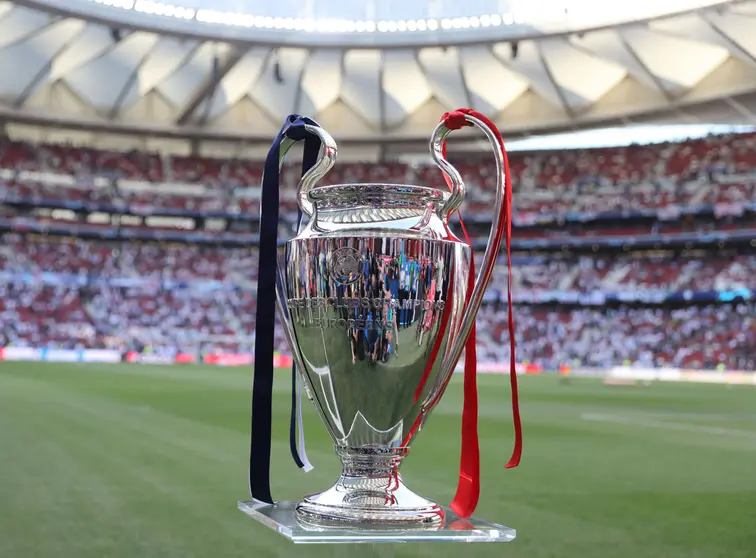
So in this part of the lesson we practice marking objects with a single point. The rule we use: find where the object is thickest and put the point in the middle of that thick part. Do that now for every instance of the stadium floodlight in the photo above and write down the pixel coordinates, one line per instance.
(311, 25)
(123, 4)
(543, 16)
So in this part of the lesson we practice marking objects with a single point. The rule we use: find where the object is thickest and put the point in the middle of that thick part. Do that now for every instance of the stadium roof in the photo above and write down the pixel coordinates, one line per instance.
(122, 70)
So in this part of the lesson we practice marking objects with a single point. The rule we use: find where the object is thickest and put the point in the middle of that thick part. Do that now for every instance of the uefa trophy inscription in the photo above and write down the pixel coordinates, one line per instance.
(364, 302)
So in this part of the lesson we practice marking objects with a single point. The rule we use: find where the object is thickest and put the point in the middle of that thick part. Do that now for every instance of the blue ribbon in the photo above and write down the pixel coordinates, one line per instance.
(262, 388)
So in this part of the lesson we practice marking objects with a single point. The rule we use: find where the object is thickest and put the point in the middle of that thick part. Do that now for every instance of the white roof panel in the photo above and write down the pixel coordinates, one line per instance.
(102, 81)
(404, 85)
(740, 28)
(492, 86)
(164, 58)
(71, 69)
(444, 74)
(360, 85)
(610, 46)
(27, 60)
(586, 76)
(321, 81)
(179, 87)
(277, 87)
(238, 81)
(18, 23)
(89, 44)
(681, 61)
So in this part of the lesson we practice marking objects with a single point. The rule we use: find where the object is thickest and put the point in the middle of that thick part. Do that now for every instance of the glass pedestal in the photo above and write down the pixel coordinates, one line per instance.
(373, 541)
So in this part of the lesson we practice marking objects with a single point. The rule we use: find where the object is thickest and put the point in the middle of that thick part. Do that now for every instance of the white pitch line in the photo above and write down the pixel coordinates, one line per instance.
(630, 421)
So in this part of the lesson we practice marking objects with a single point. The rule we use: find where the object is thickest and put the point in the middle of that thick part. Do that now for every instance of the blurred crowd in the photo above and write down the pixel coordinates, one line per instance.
(73, 293)
(237, 267)
(695, 337)
(712, 272)
(662, 176)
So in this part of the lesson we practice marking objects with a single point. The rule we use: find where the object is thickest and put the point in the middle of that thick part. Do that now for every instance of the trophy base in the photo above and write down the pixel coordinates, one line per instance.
(283, 518)
(364, 501)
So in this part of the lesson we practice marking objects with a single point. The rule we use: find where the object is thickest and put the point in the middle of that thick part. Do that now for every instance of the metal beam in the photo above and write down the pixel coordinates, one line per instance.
(205, 90)
(33, 33)
(735, 47)
(129, 82)
(43, 73)
(300, 77)
(558, 88)
(382, 94)
(651, 75)
(741, 109)
(54, 119)
(465, 87)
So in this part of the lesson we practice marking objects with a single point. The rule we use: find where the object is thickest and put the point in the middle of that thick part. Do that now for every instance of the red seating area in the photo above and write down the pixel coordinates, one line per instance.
(608, 179)
(238, 266)
(41, 316)
(726, 154)
(210, 302)
(693, 337)
(222, 201)
(589, 274)
(98, 299)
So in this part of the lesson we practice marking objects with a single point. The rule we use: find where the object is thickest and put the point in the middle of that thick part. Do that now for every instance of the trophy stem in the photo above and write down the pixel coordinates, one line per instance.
(371, 461)
(370, 490)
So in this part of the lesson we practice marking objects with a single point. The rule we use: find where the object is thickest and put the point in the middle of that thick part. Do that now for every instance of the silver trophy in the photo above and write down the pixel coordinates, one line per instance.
(375, 301)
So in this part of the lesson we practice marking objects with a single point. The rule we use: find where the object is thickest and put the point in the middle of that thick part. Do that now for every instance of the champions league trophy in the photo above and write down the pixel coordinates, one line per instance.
(377, 298)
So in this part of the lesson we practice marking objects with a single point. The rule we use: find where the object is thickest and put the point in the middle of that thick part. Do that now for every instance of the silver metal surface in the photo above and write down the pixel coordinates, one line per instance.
(374, 298)
(326, 160)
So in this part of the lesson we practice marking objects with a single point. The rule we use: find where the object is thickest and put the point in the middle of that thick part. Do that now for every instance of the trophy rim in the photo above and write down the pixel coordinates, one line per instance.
(428, 193)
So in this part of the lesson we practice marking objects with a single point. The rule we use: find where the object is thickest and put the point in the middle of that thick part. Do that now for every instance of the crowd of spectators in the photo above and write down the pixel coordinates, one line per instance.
(693, 337)
(583, 169)
(662, 176)
(75, 293)
(69, 292)
(237, 267)
(712, 272)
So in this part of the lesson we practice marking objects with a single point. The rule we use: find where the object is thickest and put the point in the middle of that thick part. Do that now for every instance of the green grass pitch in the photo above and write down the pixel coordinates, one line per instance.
(129, 461)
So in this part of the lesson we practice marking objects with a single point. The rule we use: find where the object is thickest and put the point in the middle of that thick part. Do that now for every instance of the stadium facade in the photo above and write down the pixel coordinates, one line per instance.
(102, 69)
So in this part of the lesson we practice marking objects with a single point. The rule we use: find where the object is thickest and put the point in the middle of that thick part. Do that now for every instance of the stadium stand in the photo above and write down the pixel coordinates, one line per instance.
(92, 285)
(613, 179)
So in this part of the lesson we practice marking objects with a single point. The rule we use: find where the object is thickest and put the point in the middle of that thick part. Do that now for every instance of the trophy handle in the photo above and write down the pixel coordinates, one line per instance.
(457, 120)
(453, 178)
(326, 160)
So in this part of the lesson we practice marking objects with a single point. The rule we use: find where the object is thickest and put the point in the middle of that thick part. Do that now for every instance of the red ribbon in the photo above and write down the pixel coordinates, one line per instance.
(468, 487)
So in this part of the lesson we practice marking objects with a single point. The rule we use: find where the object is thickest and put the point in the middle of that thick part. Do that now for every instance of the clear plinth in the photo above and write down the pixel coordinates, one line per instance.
(281, 518)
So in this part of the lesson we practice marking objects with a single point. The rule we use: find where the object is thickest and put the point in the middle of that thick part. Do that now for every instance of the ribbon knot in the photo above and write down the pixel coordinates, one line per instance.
(298, 131)
(455, 120)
